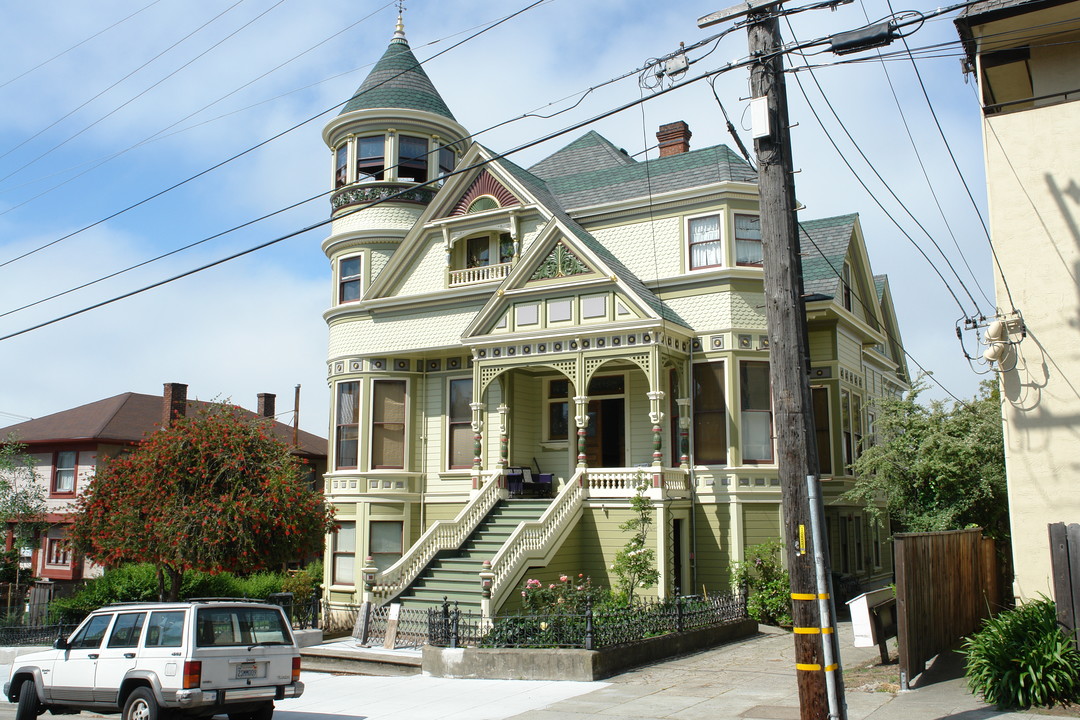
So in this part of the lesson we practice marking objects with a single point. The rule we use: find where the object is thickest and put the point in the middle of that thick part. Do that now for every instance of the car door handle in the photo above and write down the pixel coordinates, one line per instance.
(129, 655)
(93, 656)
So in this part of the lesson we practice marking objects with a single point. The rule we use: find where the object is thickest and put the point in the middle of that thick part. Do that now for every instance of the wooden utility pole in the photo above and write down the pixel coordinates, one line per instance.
(820, 689)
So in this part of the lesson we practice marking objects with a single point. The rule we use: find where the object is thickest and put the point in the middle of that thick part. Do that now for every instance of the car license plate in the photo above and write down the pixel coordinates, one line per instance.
(247, 670)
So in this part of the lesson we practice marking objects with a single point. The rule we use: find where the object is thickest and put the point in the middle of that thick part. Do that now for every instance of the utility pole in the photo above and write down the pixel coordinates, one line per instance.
(816, 656)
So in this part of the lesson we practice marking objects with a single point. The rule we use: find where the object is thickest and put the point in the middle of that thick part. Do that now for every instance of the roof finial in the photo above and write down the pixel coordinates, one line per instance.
(399, 31)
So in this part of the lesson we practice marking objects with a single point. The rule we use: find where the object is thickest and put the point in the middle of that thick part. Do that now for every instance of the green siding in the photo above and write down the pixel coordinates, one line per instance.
(712, 551)
(440, 511)
(761, 523)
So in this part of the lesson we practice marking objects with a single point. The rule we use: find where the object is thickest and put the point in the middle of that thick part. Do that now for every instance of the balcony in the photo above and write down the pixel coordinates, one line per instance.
(481, 274)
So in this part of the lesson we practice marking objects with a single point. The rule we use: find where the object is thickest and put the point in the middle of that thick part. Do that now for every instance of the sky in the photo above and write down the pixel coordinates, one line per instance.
(108, 105)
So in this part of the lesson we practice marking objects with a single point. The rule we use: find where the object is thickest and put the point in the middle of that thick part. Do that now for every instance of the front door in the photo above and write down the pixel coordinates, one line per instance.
(605, 437)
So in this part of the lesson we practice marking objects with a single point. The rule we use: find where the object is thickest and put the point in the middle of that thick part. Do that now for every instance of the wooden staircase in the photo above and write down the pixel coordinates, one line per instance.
(455, 574)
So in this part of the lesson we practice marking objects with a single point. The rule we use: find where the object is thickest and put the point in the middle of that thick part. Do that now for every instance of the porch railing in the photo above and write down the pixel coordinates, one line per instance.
(442, 535)
(533, 540)
(624, 482)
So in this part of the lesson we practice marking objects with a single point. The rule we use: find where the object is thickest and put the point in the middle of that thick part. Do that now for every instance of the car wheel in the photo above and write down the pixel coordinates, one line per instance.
(265, 712)
(28, 701)
(141, 705)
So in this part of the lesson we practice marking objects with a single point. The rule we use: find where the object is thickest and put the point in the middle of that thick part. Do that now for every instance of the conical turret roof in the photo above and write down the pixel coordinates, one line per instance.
(398, 81)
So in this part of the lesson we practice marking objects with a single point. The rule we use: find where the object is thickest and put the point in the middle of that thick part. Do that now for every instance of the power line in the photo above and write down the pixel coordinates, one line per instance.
(60, 54)
(264, 142)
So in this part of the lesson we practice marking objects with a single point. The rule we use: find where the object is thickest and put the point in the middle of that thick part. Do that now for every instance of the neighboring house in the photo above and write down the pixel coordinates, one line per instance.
(1026, 56)
(68, 446)
(594, 321)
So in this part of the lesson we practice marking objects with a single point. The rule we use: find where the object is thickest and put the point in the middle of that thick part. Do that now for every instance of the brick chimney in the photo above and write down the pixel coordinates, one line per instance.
(174, 403)
(267, 403)
(674, 138)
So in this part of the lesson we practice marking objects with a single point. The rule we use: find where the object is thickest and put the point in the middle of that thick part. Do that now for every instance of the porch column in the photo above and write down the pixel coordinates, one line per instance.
(478, 440)
(656, 416)
(684, 432)
(504, 436)
(581, 420)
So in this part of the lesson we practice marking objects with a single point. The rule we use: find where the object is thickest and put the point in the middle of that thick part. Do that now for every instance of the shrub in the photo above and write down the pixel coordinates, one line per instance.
(767, 583)
(1020, 658)
(568, 596)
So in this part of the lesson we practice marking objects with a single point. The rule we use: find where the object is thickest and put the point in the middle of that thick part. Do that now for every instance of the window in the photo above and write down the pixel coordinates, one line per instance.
(233, 626)
(345, 554)
(851, 418)
(860, 561)
(91, 634)
(559, 310)
(856, 425)
(447, 161)
(482, 203)
(64, 481)
(756, 399)
(386, 542)
(341, 165)
(165, 629)
(558, 409)
(705, 248)
(820, 398)
(58, 552)
(388, 424)
(710, 414)
(506, 248)
(349, 279)
(459, 419)
(370, 158)
(477, 251)
(347, 444)
(674, 426)
(412, 158)
(748, 240)
(126, 630)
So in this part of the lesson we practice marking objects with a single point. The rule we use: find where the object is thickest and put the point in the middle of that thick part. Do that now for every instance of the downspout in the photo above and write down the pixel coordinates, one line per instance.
(423, 452)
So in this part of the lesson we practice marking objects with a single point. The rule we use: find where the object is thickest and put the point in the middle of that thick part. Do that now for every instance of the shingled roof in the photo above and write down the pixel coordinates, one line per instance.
(591, 171)
(127, 418)
(398, 81)
(824, 244)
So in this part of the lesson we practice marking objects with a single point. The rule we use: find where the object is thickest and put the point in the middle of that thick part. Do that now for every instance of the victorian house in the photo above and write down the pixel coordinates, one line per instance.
(513, 354)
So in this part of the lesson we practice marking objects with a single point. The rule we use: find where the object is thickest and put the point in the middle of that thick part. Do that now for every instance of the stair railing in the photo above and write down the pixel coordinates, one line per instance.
(532, 539)
(442, 535)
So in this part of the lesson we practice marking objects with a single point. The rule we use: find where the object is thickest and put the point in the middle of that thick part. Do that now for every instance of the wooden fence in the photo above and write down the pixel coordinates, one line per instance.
(946, 583)
(1065, 560)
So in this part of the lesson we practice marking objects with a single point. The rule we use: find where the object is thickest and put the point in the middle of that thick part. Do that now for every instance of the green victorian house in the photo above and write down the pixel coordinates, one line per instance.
(513, 353)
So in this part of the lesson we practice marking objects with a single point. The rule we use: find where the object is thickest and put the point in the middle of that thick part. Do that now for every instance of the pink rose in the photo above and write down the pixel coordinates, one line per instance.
(563, 578)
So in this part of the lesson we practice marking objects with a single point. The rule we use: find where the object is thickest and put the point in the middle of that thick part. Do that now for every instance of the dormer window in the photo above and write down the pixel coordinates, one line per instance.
(412, 159)
(477, 252)
(481, 258)
(370, 158)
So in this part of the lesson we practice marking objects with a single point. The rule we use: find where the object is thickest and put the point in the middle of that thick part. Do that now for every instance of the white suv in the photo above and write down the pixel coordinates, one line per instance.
(153, 660)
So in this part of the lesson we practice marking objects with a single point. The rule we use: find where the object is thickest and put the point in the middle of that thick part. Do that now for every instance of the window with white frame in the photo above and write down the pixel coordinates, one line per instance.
(344, 572)
(349, 279)
(748, 240)
(706, 249)
(341, 165)
(58, 552)
(756, 405)
(486, 249)
(459, 422)
(347, 436)
(845, 281)
(385, 542)
(447, 161)
(64, 475)
(388, 424)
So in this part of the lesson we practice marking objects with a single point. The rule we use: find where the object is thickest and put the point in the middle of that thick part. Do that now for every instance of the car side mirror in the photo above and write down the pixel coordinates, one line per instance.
(61, 644)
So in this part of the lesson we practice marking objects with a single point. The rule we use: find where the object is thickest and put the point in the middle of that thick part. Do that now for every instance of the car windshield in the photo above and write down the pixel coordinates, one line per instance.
(231, 626)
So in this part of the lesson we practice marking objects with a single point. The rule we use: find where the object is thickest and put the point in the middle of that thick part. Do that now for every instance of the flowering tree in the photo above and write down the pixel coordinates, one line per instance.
(214, 492)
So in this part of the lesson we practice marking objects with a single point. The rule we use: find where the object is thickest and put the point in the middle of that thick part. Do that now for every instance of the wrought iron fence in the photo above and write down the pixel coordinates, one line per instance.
(303, 614)
(30, 635)
(449, 626)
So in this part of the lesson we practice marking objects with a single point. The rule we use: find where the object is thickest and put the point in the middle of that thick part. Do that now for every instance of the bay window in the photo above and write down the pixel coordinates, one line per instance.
(388, 424)
(385, 542)
(370, 158)
(347, 436)
(341, 165)
(412, 158)
(748, 240)
(349, 281)
(710, 414)
(756, 405)
(820, 399)
(344, 571)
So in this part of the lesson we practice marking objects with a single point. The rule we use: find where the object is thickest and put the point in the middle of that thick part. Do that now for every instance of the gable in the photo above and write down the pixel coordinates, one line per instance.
(484, 187)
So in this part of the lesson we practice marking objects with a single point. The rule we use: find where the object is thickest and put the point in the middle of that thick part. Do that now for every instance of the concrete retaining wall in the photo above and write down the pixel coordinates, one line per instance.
(563, 664)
